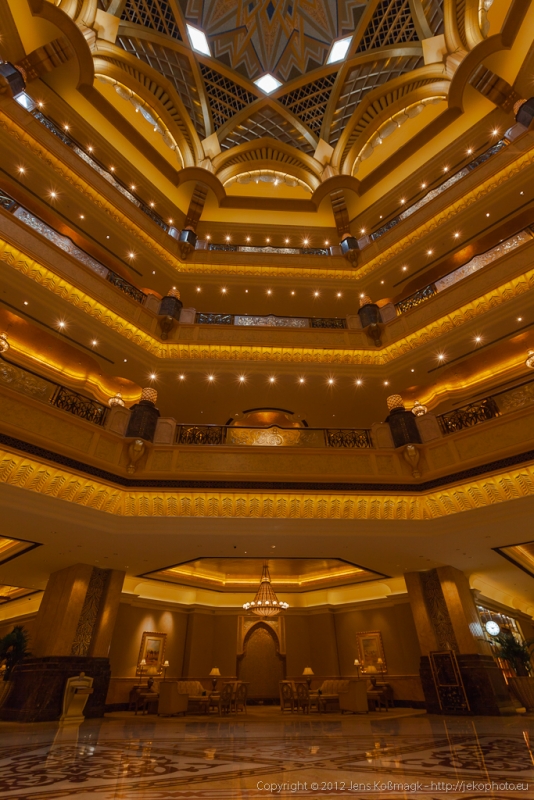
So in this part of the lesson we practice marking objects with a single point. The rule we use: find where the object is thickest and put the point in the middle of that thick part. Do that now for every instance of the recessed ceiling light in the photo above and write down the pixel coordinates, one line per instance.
(339, 50)
(211, 378)
(292, 292)
(386, 383)
(521, 193)
(330, 381)
(456, 235)
(133, 188)
(404, 269)
(267, 83)
(246, 291)
(445, 169)
(227, 238)
(478, 338)
(358, 382)
(272, 379)
(301, 380)
(26, 303)
(21, 170)
(412, 370)
(94, 342)
(287, 240)
(487, 214)
(61, 324)
(198, 40)
(125, 360)
(242, 378)
(53, 195)
(208, 236)
(403, 200)
(223, 290)
(152, 376)
(326, 243)
(182, 377)
(82, 216)
(382, 281)
(423, 186)
(269, 291)
(306, 242)
(338, 294)
(441, 356)
(470, 150)
(199, 289)
(316, 294)
(519, 319)
(429, 252)
(248, 238)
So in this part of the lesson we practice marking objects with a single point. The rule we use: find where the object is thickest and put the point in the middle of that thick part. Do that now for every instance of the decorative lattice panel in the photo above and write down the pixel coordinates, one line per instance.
(309, 102)
(392, 23)
(267, 122)
(460, 20)
(172, 66)
(226, 98)
(433, 11)
(155, 14)
(361, 80)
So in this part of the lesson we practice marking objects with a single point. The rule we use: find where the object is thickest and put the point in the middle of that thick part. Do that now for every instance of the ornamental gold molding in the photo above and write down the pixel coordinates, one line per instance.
(192, 351)
(46, 479)
(28, 141)
(25, 139)
(441, 217)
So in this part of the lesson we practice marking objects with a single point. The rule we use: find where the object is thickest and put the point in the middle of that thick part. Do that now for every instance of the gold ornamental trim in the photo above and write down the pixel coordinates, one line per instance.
(192, 351)
(25, 139)
(46, 479)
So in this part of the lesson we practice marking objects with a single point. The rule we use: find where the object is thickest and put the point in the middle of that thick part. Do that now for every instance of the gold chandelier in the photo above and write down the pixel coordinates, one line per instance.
(266, 603)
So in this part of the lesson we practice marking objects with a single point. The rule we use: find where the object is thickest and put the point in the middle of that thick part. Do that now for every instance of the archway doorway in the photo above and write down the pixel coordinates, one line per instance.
(261, 665)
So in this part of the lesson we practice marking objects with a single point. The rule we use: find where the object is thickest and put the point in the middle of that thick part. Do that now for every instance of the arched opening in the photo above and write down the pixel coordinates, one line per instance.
(261, 664)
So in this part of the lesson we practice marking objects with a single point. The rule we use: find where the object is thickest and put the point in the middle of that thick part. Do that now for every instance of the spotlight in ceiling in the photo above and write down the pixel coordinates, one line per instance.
(339, 50)
(267, 83)
(198, 40)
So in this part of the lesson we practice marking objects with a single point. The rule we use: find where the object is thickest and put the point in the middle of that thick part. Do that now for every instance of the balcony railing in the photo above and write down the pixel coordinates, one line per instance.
(29, 383)
(273, 436)
(270, 320)
(476, 162)
(238, 248)
(473, 265)
(488, 408)
(67, 245)
(79, 405)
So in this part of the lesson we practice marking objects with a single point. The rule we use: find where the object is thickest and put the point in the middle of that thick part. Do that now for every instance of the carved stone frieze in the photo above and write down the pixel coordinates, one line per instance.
(90, 610)
(24, 382)
(26, 472)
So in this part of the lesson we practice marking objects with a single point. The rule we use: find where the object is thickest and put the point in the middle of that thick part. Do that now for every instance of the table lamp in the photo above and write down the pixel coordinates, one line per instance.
(380, 663)
(166, 666)
(308, 672)
(140, 668)
(214, 674)
(357, 665)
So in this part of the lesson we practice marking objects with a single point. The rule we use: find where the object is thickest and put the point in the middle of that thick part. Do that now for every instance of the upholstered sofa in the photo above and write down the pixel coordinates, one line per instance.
(197, 695)
(350, 695)
(171, 700)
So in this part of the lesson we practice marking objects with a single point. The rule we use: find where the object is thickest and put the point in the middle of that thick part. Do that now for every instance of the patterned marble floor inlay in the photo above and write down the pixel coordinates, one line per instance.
(265, 754)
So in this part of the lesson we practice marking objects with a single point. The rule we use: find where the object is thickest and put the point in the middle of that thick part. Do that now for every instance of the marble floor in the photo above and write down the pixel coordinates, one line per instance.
(398, 754)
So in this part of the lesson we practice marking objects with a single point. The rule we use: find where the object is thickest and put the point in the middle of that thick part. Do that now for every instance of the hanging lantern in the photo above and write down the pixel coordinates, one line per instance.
(116, 400)
(419, 409)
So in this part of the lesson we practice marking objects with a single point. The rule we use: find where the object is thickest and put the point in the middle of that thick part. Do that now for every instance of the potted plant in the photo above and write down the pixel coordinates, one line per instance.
(518, 655)
(13, 648)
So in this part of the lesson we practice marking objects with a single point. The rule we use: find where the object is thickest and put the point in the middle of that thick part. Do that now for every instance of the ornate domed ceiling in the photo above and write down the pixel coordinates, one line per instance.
(290, 39)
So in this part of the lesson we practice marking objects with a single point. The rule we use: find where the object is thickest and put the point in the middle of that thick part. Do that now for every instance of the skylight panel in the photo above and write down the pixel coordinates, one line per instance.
(198, 40)
(339, 50)
(267, 83)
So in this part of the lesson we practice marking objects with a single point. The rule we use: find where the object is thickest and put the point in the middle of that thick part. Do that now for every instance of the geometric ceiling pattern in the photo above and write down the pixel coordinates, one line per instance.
(286, 39)
(339, 103)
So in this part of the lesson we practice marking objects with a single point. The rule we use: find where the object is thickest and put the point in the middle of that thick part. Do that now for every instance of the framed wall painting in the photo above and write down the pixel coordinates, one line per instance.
(370, 650)
(152, 651)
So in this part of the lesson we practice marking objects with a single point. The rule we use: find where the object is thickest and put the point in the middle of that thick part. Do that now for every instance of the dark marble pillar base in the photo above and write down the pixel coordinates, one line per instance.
(38, 684)
(484, 685)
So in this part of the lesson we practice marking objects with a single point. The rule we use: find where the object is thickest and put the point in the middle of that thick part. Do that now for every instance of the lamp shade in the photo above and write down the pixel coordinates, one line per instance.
(308, 671)
(356, 662)
(215, 672)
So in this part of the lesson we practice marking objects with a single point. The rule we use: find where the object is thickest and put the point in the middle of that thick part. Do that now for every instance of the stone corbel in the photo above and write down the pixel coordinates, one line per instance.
(412, 456)
(134, 450)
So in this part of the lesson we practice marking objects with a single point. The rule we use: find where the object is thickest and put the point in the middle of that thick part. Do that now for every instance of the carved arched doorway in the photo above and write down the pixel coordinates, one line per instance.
(261, 664)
